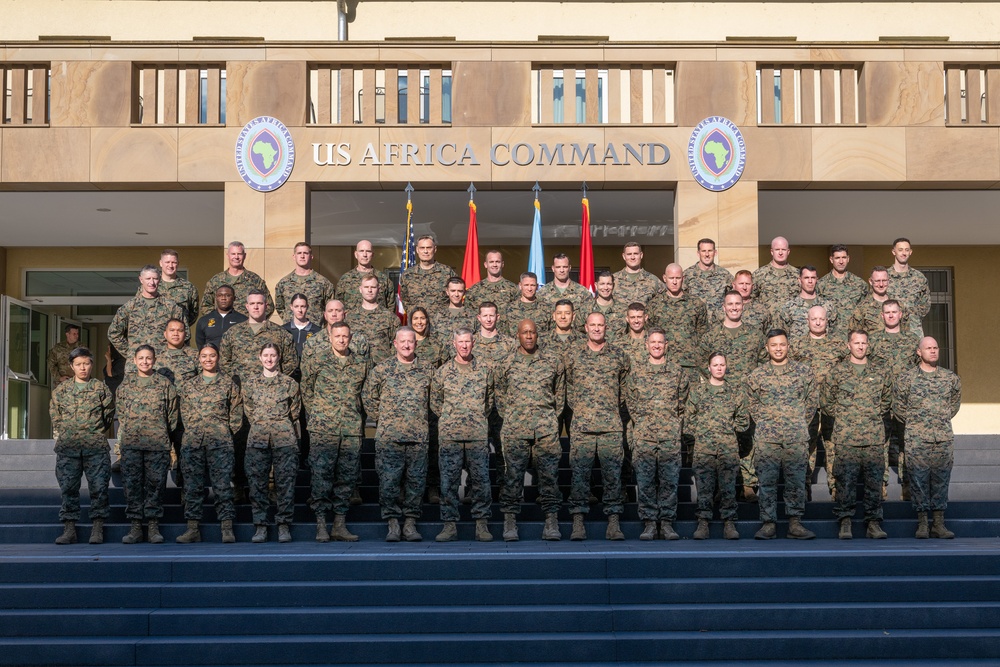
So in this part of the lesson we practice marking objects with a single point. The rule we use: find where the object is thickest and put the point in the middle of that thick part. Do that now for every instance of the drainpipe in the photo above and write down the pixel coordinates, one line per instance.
(341, 20)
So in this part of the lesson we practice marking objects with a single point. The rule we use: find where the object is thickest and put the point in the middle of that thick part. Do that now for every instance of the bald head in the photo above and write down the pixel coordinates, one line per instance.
(673, 276)
(779, 251)
(817, 320)
(929, 353)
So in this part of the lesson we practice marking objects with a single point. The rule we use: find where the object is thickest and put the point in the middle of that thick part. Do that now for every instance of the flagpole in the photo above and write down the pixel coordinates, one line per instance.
(470, 264)
(406, 257)
(536, 254)
(586, 245)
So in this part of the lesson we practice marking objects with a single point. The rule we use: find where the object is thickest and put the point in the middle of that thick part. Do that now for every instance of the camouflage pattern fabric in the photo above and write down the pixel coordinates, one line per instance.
(710, 286)
(549, 294)
(895, 353)
(614, 318)
(640, 286)
(714, 415)
(144, 473)
(446, 320)
(378, 327)
(177, 365)
(71, 466)
(272, 406)
(185, 295)
(845, 294)
(928, 469)
(58, 362)
(793, 315)
(853, 464)
(316, 288)
(911, 288)
(432, 350)
(242, 285)
(334, 464)
(475, 456)
(215, 467)
(240, 350)
(501, 292)
(742, 345)
(142, 321)
(349, 286)
(425, 287)
(402, 472)
(685, 320)
(755, 313)
(359, 345)
(538, 311)
(867, 316)
(773, 287)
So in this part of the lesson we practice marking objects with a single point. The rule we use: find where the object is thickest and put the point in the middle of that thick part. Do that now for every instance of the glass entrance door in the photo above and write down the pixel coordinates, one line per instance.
(15, 324)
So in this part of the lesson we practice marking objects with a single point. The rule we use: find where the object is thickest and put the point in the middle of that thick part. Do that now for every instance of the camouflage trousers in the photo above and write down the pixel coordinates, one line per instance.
(868, 463)
(433, 474)
(474, 455)
(770, 460)
(820, 429)
(607, 449)
(215, 466)
(335, 462)
(496, 442)
(894, 449)
(401, 468)
(258, 464)
(544, 452)
(711, 465)
(144, 473)
(928, 467)
(657, 467)
(747, 471)
(71, 466)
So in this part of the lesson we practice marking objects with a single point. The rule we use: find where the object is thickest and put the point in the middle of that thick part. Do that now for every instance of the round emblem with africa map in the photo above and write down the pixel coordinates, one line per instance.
(717, 153)
(265, 154)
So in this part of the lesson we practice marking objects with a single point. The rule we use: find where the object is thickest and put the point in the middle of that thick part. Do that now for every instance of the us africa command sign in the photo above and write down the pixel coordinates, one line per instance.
(717, 153)
(265, 154)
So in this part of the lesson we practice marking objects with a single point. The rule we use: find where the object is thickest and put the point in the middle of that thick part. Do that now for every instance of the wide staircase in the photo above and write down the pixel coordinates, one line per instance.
(824, 602)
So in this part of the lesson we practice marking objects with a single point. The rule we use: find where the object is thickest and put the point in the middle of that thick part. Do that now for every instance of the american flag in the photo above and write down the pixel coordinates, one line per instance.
(409, 253)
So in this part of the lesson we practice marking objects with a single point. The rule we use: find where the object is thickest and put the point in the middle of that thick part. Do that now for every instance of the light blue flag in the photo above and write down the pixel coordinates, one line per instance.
(536, 256)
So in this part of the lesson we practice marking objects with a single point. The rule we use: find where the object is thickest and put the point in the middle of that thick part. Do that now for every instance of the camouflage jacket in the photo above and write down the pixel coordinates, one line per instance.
(743, 347)
(487, 350)
(562, 345)
(845, 294)
(142, 321)
(177, 365)
(502, 292)
(378, 327)
(595, 387)
(581, 297)
(857, 396)
(867, 316)
(793, 315)
(782, 400)
(81, 414)
(331, 390)
(710, 286)
(655, 396)
(359, 345)
(537, 311)
(821, 355)
(912, 289)
(635, 348)
(242, 285)
(212, 410)
(636, 287)
(927, 402)
(185, 295)
(240, 351)
(58, 362)
(713, 415)
(755, 314)
(614, 318)
(685, 320)
(530, 390)
(349, 289)
(773, 287)
(316, 288)
(148, 413)
(894, 353)
(462, 398)
(396, 395)
(433, 350)
(272, 406)
(420, 287)
(446, 320)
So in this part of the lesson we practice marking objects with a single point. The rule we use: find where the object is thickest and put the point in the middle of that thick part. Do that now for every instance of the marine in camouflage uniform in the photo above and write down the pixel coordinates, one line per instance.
(212, 409)
(332, 382)
(347, 286)
(656, 392)
(856, 395)
(908, 285)
(272, 406)
(494, 287)
(529, 395)
(563, 340)
(793, 315)
(639, 286)
(449, 319)
(378, 327)
(843, 288)
(419, 286)
(595, 391)
(316, 288)
(242, 285)
(684, 319)
(142, 320)
(708, 284)
(185, 295)
(58, 360)
(782, 399)
(537, 311)
(148, 414)
(604, 302)
(867, 316)
(177, 364)
(777, 281)
(926, 398)
(396, 396)
(581, 297)
(241, 346)
(462, 396)
(81, 414)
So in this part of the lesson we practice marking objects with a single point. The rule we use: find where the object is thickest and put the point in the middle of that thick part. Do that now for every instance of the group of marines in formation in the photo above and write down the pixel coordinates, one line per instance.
(745, 378)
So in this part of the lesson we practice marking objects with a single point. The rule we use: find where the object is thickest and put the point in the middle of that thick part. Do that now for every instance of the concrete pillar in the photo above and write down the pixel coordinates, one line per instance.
(728, 217)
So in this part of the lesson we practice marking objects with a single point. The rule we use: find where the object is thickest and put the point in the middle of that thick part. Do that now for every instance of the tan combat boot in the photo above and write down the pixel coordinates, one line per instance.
(483, 531)
(667, 530)
(153, 535)
(614, 531)
(749, 495)
(510, 527)
(938, 529)
(796, 531)
(192, 534)
(729, 530)
(579, 530)
(551, 530)
(284, 532)
(393, 535)
(260, 535)
(69, 533)
(410, 532)
(339, 531)
(97, 532)
(228, 536)
(845, 529)
(648, 531)
(767, 531)
(922, 531)
(701, 532)
(321, 533)
(449, 533)
(875, 532)
(134, 535)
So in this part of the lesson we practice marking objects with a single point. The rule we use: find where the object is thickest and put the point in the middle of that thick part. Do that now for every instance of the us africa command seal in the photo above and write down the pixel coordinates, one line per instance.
(717, 153)
(265, 154)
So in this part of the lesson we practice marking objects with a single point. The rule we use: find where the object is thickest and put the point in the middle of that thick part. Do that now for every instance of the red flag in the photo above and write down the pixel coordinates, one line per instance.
(586, 250)
(470, 267)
